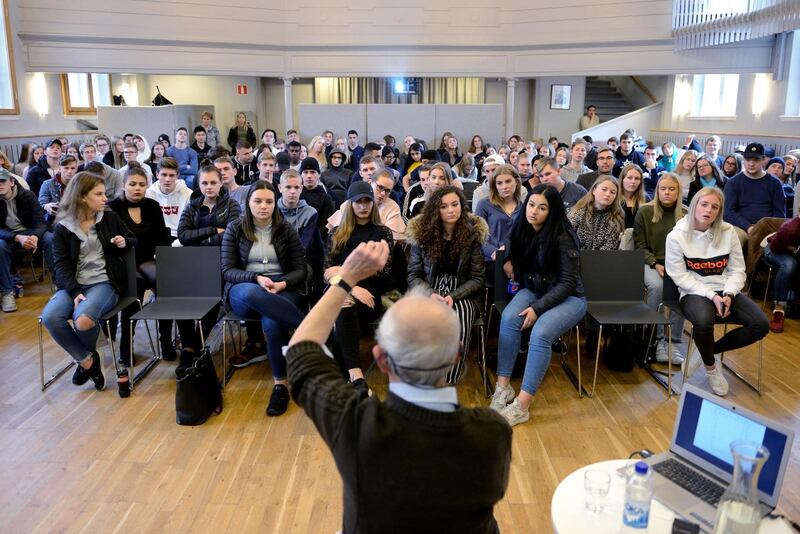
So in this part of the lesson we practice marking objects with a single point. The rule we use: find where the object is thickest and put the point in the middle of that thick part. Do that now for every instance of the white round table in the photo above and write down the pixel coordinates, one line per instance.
(570, 516)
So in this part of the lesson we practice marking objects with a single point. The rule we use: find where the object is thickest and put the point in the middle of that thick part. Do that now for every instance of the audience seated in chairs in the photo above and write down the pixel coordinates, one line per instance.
(500, 208)
(171, 193)
(447, 260)
(89, 271)
(22, 227)
(653, 222)
(704, 259)
(264, 266)
(359, 224)
(598, 218)
(144, 218)
(440, 176)
(336, 177)
(544, 258)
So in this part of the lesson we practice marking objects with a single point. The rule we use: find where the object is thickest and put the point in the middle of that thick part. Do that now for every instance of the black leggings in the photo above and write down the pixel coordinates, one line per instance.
(349, 324)
(701, 312)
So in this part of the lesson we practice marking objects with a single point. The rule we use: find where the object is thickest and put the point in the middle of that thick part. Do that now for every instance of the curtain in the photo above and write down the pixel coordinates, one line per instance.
(355, 90)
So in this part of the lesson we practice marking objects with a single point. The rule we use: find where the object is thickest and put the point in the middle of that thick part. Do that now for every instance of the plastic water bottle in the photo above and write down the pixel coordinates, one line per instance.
(638, 494)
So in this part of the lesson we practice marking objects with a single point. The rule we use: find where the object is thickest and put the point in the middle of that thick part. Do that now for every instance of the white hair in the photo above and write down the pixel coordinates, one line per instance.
(420, 352)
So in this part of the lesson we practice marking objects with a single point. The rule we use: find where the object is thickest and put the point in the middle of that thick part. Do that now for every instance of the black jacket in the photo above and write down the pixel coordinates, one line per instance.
(225, 211)
(553, 288)
(236, 248)
(152, 232)
(66, 250)
(319, 199)
(246, 172)
(696, 185)
(471, 267)
(29, 212)
(233, 138)
(38, 174)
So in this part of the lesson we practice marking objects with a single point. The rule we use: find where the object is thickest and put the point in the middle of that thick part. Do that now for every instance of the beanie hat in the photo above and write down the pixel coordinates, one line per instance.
(309, 164)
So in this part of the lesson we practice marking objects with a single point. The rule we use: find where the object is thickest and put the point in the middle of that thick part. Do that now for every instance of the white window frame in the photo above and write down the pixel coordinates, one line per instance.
(8, 72)
(722, 103)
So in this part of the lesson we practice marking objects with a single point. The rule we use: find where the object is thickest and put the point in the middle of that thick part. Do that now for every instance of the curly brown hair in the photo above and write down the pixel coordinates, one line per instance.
(431, 235)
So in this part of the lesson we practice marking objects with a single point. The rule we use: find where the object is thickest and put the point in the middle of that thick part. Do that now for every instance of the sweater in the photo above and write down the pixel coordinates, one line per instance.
(600, 232)
(172, 204)
(700, 267)
(787, 239)
(499, 223)
(319, 199)
(749, 199)
(651, 237)
(621, 159)
(302, 218)
(152, 232)
(571, 194)
(404, 468)
(187, 161)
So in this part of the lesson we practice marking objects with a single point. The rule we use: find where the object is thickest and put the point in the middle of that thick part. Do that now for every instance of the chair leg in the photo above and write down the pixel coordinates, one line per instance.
(55, 376)
(578, 349)
(135, 377)
(669, 361)
(766, 289)
(596, 360)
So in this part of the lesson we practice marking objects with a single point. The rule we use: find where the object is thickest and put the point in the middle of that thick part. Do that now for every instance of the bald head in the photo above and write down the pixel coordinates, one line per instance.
(421, 336)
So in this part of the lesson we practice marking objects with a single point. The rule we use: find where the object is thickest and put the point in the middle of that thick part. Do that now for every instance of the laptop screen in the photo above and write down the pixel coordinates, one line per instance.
(706, 430)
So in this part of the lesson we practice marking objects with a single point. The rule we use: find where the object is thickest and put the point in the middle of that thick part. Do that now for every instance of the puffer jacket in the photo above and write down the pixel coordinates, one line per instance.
(225, 211)
(422, 272)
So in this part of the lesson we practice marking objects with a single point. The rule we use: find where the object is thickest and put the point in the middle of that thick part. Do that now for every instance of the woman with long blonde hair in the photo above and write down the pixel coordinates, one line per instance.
(360, 223)
(597, 217)
(316, 150)
(653, 222)
(632, 197)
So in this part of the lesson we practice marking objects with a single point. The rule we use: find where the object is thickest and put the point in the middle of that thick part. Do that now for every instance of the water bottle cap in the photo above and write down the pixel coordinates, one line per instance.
(641, 468)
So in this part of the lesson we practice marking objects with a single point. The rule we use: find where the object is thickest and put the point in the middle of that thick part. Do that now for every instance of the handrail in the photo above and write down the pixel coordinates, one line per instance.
(640, 84)
(622, 119)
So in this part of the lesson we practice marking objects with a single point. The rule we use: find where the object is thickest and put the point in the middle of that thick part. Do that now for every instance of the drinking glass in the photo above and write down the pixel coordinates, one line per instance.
(596, 482)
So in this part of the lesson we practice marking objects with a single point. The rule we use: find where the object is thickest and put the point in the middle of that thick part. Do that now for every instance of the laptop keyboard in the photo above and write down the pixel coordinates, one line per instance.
(698, 485)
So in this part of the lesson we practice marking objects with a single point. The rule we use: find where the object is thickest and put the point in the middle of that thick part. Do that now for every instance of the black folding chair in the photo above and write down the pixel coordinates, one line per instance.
(671, 300)
(613, 281)
(469, 190)
(188, 286)
(129, 298)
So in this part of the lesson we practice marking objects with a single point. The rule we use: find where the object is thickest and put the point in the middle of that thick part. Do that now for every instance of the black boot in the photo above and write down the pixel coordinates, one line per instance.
(96, 372)
(165, 336)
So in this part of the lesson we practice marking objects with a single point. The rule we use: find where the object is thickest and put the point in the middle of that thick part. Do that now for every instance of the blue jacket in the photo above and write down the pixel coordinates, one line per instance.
(749, 200)
(499, 225)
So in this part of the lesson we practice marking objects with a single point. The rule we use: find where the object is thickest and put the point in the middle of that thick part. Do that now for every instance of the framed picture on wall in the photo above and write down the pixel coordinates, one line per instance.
(560, 96)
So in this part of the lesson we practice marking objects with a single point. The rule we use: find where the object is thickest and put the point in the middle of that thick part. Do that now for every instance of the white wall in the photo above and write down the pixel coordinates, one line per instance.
(657, 85)
(560, 123)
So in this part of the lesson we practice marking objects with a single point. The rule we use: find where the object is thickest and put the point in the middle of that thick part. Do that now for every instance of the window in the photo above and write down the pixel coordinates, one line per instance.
(714, 95)
(81, 93)
(9, 105)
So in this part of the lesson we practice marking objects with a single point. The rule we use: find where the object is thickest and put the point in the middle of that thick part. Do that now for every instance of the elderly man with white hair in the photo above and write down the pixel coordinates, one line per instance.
(418, 462)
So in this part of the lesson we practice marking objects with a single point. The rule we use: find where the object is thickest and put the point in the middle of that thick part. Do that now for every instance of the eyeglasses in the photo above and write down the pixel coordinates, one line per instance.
(381, 189)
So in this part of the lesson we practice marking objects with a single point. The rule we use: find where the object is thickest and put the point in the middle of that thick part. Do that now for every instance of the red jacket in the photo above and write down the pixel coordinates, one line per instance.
(788, 235)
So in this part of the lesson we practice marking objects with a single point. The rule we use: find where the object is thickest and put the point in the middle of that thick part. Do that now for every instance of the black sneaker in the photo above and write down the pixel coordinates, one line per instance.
(361, 386)
(123, 383)
(96, 372)
(80, 376)
(168, 352)
(278, 401)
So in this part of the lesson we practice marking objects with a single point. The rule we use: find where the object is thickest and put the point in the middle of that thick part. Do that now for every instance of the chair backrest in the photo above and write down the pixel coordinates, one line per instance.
(188, 272)
(500, 283)
(469, 189)
(613, 275)
(129, 257)
(670, 295)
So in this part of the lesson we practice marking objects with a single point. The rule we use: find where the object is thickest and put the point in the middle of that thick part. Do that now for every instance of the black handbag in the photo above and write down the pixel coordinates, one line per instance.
(199, 392)
(622, 347)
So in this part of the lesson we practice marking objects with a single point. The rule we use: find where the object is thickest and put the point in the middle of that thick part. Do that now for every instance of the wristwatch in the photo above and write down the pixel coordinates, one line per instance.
(337, 280)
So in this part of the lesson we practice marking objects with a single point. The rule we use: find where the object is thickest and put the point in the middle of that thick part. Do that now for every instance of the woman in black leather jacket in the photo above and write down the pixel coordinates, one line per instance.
(447, 259)
(544, 258)
(264, 265)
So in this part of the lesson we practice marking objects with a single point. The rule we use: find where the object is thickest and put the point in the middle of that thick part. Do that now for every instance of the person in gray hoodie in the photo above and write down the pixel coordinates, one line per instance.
(171, 193)
(295, 210)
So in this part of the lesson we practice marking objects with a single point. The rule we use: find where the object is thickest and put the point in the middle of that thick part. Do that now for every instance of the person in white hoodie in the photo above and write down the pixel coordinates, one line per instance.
(170, 192)
(704, 259)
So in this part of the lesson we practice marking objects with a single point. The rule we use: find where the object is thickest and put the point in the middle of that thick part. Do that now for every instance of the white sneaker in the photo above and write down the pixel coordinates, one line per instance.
(717, 382)
(514, 413)
(691, 363)
(9, 303)
(502, 396)
(662, 350)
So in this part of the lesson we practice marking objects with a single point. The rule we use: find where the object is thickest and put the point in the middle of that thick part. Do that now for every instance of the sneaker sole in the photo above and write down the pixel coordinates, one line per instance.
(251, 361)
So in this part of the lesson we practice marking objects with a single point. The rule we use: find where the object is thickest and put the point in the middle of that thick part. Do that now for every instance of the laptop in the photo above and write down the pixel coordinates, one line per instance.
(692, 476)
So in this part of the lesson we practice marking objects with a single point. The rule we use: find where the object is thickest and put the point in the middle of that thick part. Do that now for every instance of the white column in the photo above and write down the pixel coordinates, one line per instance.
(287, 103)
(510, 86)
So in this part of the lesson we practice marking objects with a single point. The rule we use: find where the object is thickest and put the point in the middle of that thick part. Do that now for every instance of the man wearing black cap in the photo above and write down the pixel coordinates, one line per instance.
(46, 167)
(752, 194)
(315, 193)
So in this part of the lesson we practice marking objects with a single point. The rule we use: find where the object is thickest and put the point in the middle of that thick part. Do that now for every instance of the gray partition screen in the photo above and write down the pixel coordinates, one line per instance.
(314, 119)
(464, 121)
(150, 121)
(400, 120)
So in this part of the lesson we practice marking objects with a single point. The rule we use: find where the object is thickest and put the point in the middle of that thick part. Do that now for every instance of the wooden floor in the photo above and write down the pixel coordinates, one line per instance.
(76, 460)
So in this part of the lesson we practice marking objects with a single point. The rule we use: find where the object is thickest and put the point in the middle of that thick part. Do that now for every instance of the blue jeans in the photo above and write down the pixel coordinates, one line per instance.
(279, 313)
(546, 329)
(100, 298)
(6, 282)
(785, 266)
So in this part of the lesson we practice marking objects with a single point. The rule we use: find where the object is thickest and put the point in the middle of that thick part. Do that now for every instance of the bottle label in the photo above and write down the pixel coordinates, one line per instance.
(636, 514)
(513, 287)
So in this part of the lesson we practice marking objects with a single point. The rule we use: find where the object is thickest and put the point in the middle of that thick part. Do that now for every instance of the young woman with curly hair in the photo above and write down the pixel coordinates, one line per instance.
(447, 259)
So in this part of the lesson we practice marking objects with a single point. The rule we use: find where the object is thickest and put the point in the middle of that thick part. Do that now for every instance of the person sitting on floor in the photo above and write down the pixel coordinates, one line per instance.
(704, 259)
(544, 258)
(447, 260)
(263, 266)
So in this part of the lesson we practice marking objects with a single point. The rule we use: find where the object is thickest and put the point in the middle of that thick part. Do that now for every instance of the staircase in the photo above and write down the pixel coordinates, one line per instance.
(610, 102)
